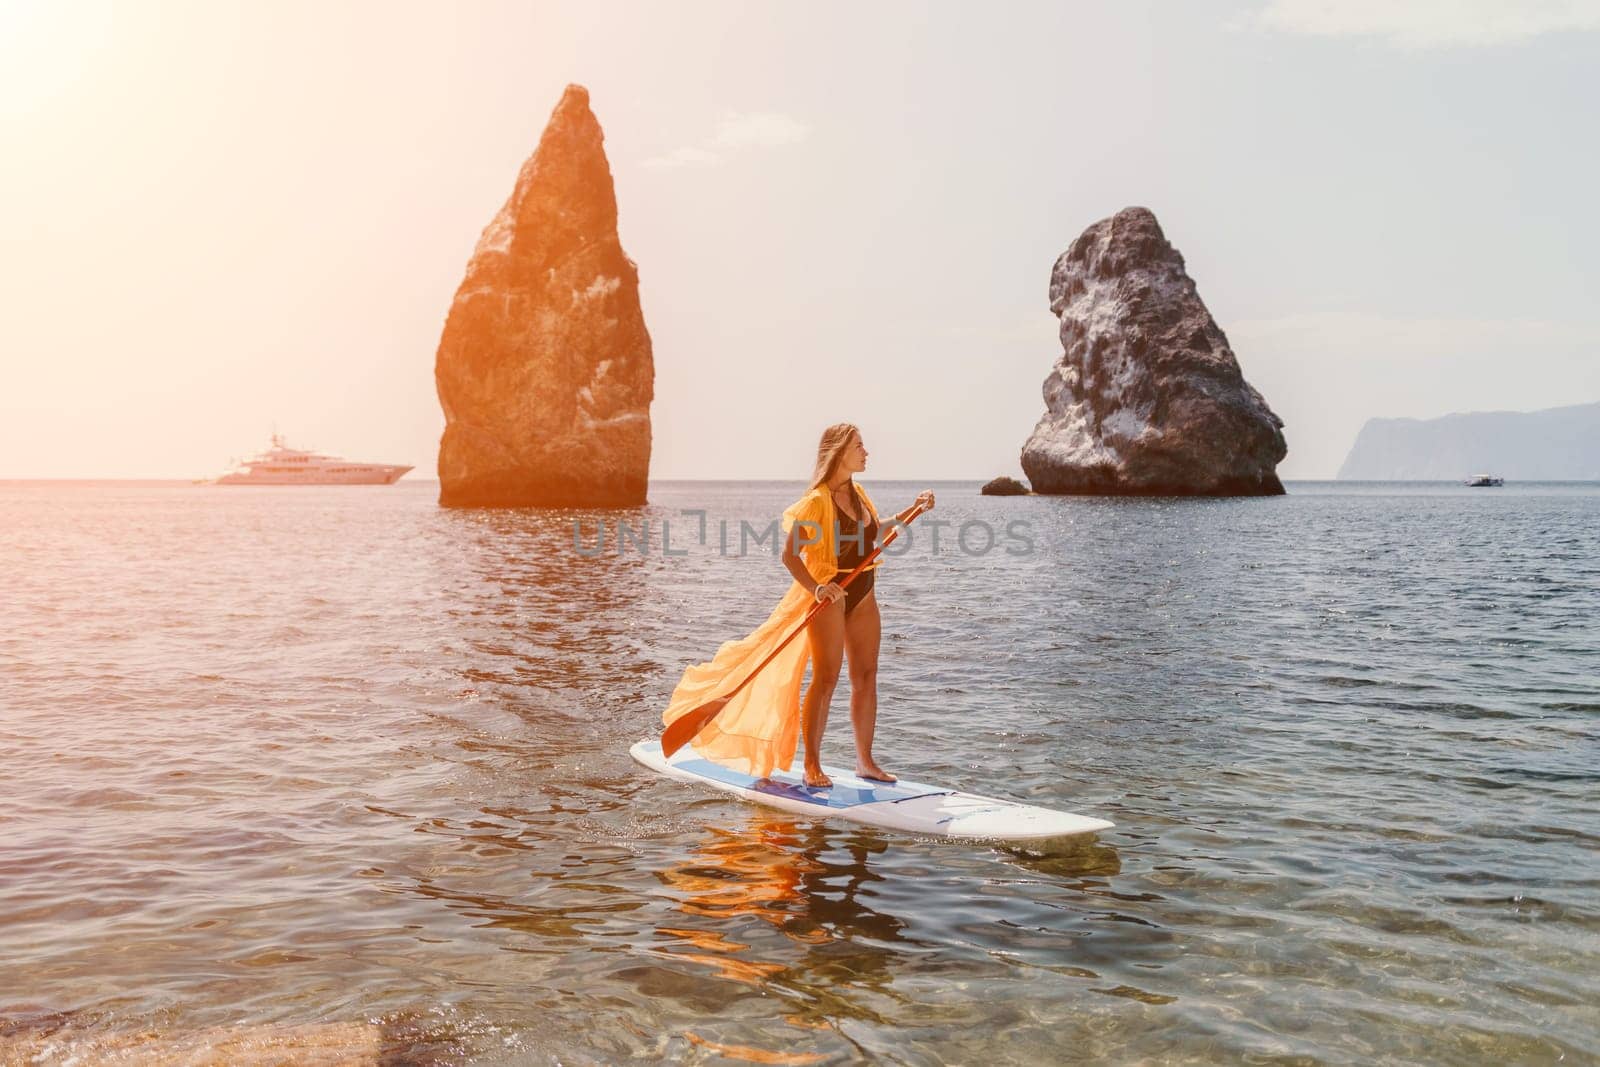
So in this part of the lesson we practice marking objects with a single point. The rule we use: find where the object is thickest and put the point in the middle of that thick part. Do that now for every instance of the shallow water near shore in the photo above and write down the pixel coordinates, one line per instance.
(338, 767)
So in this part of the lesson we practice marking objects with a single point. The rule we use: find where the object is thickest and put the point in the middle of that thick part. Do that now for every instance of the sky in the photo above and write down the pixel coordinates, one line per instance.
(219, 218)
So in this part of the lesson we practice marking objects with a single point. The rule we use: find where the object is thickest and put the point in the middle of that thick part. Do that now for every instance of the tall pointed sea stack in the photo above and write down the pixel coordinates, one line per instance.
(545, 371)
(1146, 397)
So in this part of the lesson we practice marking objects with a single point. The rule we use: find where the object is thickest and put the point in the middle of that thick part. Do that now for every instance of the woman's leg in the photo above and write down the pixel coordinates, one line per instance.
(861, 635)
(826, 634)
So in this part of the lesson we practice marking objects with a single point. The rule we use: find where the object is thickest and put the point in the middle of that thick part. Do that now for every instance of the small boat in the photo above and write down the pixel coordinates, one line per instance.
(1483, 481)
(282, 465)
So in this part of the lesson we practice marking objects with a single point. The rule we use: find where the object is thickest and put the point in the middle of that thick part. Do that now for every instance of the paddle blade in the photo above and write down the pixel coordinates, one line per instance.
(682, 729)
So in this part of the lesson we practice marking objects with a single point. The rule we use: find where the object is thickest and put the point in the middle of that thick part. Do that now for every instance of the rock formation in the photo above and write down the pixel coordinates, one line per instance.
(1003, 486)
(1147, 397)
(545, 370)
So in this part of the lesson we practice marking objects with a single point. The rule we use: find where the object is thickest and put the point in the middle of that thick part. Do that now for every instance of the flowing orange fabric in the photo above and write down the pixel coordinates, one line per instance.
(758, 730)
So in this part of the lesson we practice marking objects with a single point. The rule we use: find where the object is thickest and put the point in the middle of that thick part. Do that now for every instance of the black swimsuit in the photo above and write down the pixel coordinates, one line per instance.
(854, 546)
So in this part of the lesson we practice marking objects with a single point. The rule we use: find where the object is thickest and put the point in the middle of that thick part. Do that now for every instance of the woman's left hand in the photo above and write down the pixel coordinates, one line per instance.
(925, 500)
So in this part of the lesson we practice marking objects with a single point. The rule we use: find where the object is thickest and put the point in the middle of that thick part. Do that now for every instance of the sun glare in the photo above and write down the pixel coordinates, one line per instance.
(46, 50)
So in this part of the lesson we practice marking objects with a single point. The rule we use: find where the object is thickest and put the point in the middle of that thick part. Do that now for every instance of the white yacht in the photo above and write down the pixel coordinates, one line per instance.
(282, 465)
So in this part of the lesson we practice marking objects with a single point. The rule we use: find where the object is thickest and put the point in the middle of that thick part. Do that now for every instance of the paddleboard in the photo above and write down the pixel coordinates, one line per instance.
(909, 806)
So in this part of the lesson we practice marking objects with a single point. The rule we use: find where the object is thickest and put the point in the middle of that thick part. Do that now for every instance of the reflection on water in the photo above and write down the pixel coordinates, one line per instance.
(535, 616)
(810, 882)
(843, 950)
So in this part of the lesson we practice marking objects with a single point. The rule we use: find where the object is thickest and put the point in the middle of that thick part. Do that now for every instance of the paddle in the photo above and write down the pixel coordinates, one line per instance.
(683, 728)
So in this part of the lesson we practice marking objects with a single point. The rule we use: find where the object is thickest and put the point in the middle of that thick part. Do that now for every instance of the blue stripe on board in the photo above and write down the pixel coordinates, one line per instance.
(782, 785)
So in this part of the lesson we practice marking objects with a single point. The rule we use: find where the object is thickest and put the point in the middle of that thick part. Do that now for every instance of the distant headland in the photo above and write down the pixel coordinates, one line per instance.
(1555, 444)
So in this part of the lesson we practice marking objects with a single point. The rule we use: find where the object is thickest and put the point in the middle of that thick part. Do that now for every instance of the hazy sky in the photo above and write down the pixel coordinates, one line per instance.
(215, 217)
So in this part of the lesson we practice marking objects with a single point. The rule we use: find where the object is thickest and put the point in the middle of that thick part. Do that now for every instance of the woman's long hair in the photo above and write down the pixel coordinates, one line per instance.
(835, 439)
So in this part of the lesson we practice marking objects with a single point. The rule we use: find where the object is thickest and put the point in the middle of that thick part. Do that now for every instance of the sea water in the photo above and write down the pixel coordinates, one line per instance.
(301, 772)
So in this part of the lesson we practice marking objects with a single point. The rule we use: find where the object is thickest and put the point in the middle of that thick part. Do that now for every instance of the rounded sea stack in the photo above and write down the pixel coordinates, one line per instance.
(1147, 397)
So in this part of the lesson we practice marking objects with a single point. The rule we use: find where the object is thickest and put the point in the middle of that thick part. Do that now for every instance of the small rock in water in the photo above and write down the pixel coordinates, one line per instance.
(1004, 486)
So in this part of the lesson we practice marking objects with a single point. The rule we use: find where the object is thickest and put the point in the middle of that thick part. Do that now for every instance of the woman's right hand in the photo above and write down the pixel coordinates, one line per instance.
(827, 592)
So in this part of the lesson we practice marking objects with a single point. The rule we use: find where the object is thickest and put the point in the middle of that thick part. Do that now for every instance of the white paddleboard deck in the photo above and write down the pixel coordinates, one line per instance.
(909, 806)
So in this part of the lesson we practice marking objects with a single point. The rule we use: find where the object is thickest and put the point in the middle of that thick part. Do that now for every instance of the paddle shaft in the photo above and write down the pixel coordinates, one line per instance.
(681, 730)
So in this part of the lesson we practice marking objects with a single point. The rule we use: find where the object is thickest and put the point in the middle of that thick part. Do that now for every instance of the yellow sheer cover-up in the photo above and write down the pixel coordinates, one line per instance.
(758, 729)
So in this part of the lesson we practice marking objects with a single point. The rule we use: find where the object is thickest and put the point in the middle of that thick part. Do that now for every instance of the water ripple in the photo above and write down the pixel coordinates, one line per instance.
(329, 773)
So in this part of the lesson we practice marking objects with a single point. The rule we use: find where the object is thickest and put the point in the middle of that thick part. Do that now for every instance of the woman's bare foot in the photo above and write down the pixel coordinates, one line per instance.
(874, 773)
(815, 779)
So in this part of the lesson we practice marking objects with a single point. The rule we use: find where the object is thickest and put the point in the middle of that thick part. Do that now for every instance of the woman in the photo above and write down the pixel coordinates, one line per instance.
(827, 532)
(849, 627)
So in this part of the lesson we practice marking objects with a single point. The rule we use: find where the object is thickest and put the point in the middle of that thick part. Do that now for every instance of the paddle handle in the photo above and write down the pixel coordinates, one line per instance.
(681, 730)
(917, 509)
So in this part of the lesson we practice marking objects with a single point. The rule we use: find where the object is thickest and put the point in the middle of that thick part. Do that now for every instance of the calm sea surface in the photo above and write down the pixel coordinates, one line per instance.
(323, 772)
